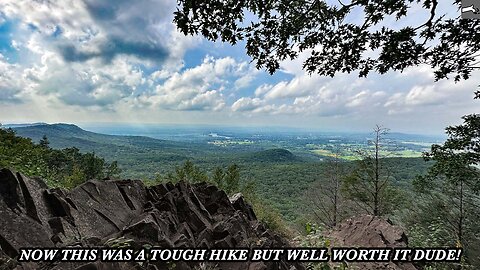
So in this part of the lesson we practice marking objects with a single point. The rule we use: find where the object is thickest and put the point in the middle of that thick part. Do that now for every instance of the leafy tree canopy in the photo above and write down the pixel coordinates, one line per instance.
(60, 168)
(459, 157)
(453, 183)
(278, 30)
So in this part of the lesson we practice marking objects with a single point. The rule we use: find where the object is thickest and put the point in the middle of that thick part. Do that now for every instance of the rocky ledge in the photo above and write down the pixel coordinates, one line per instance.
(371, 231)
(100, 213)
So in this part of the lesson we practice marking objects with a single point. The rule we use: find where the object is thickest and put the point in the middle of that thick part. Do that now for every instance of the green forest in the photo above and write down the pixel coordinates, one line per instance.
(435, 197)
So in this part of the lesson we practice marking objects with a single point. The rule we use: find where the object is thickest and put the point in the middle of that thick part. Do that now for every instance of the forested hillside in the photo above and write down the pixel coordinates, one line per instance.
(66, 167)
(286, 190)
(280, 176)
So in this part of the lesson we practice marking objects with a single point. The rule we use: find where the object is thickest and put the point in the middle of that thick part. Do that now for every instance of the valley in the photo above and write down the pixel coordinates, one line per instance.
(283, 164)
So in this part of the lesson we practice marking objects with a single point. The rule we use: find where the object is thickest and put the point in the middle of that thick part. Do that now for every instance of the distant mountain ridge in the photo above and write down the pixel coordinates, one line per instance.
(23, 125)
(69, 135)
(135, 149)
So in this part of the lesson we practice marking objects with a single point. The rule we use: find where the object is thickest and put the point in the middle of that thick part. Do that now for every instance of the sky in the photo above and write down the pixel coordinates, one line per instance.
(87, 61)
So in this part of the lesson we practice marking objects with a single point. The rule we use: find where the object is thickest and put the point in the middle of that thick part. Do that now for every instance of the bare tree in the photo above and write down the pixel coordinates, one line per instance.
(368, 185)
(325, 194)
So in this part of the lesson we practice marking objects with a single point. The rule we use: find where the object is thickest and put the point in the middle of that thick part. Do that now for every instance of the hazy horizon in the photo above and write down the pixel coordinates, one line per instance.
(56, 71)
(147, 128)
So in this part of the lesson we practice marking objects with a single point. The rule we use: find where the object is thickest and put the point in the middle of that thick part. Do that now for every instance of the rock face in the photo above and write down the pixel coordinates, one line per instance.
(98, 213)
(369, 231)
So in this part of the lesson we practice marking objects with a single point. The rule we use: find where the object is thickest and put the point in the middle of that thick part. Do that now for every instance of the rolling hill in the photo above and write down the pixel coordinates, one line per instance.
(68, 135)
(281, 175)
(144, 156)
(271, 155)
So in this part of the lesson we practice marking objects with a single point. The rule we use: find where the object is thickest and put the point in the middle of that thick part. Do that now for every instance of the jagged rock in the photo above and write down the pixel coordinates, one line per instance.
(99, 213)
(20, 225)
(370, 231)
(239, 204)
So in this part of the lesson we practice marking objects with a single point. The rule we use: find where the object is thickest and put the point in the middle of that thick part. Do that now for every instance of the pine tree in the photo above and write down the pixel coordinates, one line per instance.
(44, 142)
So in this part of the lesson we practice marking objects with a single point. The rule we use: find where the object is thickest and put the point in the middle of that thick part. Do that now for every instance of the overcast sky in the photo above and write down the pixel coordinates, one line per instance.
(123, 61)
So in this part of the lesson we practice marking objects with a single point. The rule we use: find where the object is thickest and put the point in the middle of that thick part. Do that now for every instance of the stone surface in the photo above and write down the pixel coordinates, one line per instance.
(99, 213)
(370, 231)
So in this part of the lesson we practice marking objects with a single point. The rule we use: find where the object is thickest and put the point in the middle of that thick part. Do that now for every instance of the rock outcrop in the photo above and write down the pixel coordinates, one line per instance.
(370, 231)
(99, 213)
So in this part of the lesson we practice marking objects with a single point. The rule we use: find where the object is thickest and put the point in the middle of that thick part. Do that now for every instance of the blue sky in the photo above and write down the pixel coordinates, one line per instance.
(83, 61)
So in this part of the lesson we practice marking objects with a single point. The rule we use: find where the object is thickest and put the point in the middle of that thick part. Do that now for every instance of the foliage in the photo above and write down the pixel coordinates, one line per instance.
(44, 142)
(230, 181)
(272, 219)
(61, 168)
(314, 237)
(188, 173)
(120, 242)
(217, 176)
(112, 170)
(435, 234)
(453, 183)
(76, 178)
(332, 39)
(279, 181)
(432, 234)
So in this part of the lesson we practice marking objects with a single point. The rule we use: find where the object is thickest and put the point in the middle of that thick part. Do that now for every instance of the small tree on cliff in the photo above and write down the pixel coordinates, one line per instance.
(188, 172)
(228, 180)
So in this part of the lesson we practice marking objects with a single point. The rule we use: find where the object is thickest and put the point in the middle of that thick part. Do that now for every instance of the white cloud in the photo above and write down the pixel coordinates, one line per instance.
(347, 95)
(298, 86)
(126, 57)
(11, 88)
(423, 95)
(197, 88)
(91, 53)
(366, 98)
(247, 104)
(426, 93)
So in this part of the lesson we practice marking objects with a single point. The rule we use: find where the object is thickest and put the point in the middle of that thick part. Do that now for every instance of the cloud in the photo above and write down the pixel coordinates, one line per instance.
(248, 73)
(126, 59)
(8, 94)
(126, 27)
(11, 88)
(47, 17)
(91, 53)
(298, 86)
(197, 88)
(366, 98)
(108, 51)
(79, 84)
(83, 30)
(309, 95)
(247, 104)
(424, 95)
(443, 94)
(346, 95)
